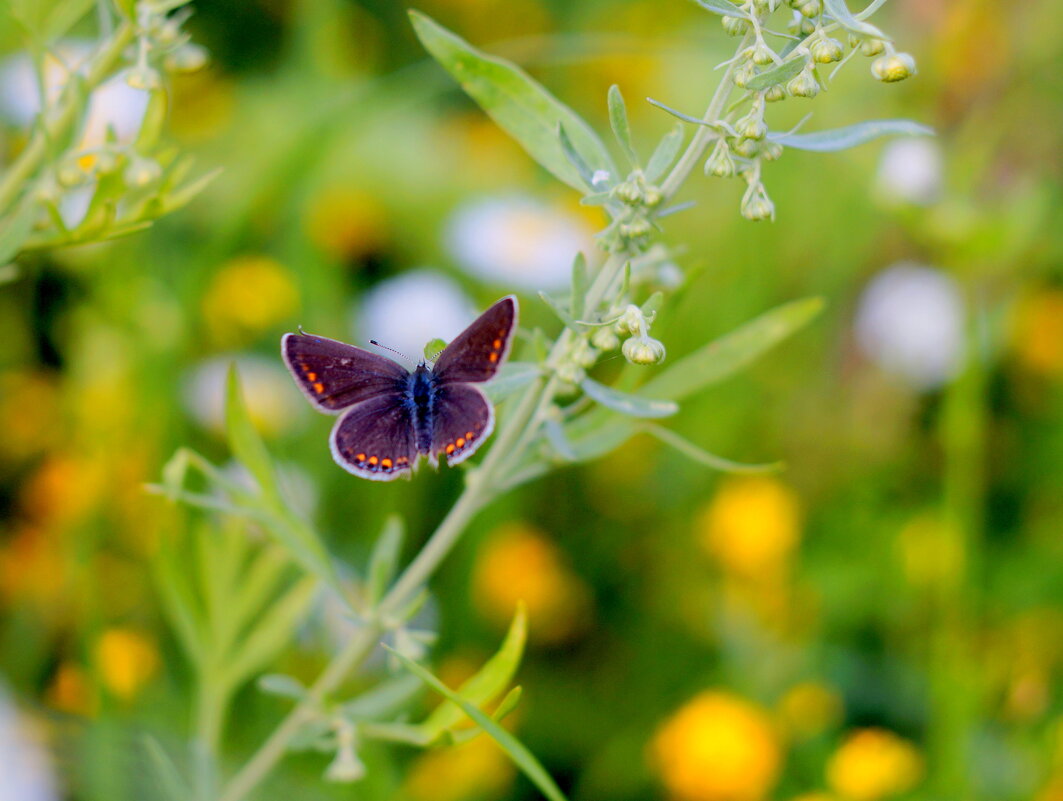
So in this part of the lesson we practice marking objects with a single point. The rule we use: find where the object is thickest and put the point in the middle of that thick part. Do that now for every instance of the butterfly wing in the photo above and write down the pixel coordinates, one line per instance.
(463, 418)
(375, 439)
(335, 375)
(477, 352)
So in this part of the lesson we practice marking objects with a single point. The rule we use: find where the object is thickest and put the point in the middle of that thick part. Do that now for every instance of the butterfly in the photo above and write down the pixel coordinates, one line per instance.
(390, 416)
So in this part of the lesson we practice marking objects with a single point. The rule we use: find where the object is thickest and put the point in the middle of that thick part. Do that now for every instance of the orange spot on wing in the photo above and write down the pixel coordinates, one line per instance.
(496, 344)
(493, 357)
(373, 460)
(468, 435)
(385, 463)
(360, 457)
(450, 449)
(461, 442)
(311, 376)
(319, 388)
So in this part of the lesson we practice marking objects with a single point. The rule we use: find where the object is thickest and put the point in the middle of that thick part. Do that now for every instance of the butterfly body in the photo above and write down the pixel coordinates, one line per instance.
(392, 416)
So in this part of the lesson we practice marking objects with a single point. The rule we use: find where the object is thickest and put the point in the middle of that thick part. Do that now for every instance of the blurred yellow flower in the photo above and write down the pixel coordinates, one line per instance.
(717, 747)
(1053, 791)
(126, 661)
(752, 525)
(33, 571)
(246, 297)
(474, 770)
(874, 763)
(816, 796)
(1037, 337)
(518, 563)
(62, 490)
(29, 411)
(931, 551)
(809, 708)
(346, 223)
(70, 692)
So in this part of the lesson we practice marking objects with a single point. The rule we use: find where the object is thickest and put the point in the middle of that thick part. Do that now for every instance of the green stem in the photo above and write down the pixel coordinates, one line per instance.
(57, 127)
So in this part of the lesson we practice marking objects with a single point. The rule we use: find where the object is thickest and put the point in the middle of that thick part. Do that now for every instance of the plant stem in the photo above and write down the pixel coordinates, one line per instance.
(30, 160)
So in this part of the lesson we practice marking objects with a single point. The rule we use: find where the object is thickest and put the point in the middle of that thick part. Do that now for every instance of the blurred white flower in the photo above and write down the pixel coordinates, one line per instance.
(408, 311)
(910, 171)
(114, 104)
(25, 773)
(910, 321)
(517, 241)
(272, 398)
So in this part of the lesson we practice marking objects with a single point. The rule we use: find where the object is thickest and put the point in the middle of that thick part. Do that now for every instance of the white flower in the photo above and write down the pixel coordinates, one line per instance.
(408, 311)
(517, 241)
(25, 772)
(910, 321)
(272, 398)
(910, 171)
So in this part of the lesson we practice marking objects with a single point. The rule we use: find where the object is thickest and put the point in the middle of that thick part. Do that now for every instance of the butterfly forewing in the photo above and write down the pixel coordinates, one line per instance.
(463, 419)
(477, 352)
(375, 439)
(335, 375)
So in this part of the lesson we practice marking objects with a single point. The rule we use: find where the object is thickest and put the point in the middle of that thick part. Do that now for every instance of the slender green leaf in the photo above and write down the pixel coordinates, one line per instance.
(724, 357)
(851, 135)
(385, 558)
(776, 75)
(579, 286)
(555, 435)
(517, 751)
(620, 125)
(631, 405)
(723, 8)
(519, 104)
(652, 304)
(489, 681)
(674, 113)
(387, 698)
(167, 776)
(841, 12)
(664, 154)
(283, 685)
(244, 441)
(511, 378)
(15, 230)
(574, 157)
(560, 311)
(702, 456)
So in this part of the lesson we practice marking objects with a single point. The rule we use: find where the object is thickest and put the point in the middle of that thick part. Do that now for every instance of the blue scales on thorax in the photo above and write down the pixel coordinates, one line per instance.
(420, 400)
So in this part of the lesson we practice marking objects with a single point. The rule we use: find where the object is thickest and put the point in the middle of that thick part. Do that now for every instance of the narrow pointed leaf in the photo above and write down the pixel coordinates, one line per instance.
(511, 378)
(778, 74)
(385, 558)
(283, 685)
(562, 313)
(579, 286)
(15, 230)
(625, 403)
(675, 113)
(851, 135)
(620, 125)
(702, 456)
(664, 154)
(724, 357)
(167, 777)
(519, 104)
(584, 170)
(517, 751)
(841, 12)
(244, 441)
(723, 8)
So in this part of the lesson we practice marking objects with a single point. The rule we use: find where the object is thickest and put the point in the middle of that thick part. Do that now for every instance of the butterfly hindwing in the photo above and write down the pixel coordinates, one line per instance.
(463, 419)
(334, 375)
(477, 352)
(375, 439)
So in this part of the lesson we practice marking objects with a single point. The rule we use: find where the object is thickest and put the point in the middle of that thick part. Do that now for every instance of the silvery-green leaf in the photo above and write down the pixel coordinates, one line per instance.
(167, 776)
(723, 8)
(702, 456)
(511, 378)
(851, 135)
(574, 157)
(664, 154)
(520, 105)
(625, 403)
(555, 435)
(674, 113)
(619, 123)
(385, 558)
(283, 685)
(840, 11)
(560, 311)
(579, 285)
(780, 73)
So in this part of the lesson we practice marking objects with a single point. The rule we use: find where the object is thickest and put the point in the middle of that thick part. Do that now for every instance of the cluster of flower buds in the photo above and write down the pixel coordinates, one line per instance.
(633, 220)
(161, 43)
(639, 347)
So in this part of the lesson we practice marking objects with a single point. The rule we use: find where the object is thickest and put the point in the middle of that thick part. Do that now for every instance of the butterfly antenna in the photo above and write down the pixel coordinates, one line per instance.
(396, 352)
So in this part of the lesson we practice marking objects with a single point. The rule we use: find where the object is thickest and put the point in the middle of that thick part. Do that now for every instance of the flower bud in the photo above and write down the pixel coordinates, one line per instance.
(643, 350)
(141, 171)
(808, 8)
(872, 47)
(605, 338)
(801, 25)
(143, 77)
(894, 67)
(571, 373)
(826, 50)
(765, 6)
(70, 174)
(631, 321)
(719, 162)
(628, 193)
(762, 55)
(751, 126)
(735, 26)
(744, 74)
(638, 227)
(770, 151)
(774, 94)
(187, 58)
(804, 84)
(583, 354)
(746, 148)
(756, 205)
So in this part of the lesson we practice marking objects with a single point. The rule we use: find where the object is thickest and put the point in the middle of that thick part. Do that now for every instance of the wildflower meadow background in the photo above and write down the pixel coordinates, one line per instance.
(880, 618)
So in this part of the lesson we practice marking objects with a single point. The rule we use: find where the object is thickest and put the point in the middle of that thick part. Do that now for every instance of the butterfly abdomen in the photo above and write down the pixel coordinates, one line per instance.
(420, 399)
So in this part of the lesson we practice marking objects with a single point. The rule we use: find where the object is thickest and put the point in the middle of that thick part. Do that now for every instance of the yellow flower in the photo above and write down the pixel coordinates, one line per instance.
(33, 571)
(752, 525)
(809, 708)
(69, 691)
(519, 563)
(126, 661)
(474, 770)
(717, 747)
(815, 796)
(874, 763)
(1038, 333)
(345, 223)
(247, 296)
(931, 551)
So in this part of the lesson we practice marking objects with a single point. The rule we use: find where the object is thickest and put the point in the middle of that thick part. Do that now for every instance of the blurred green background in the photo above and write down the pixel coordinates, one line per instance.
(882, 619)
